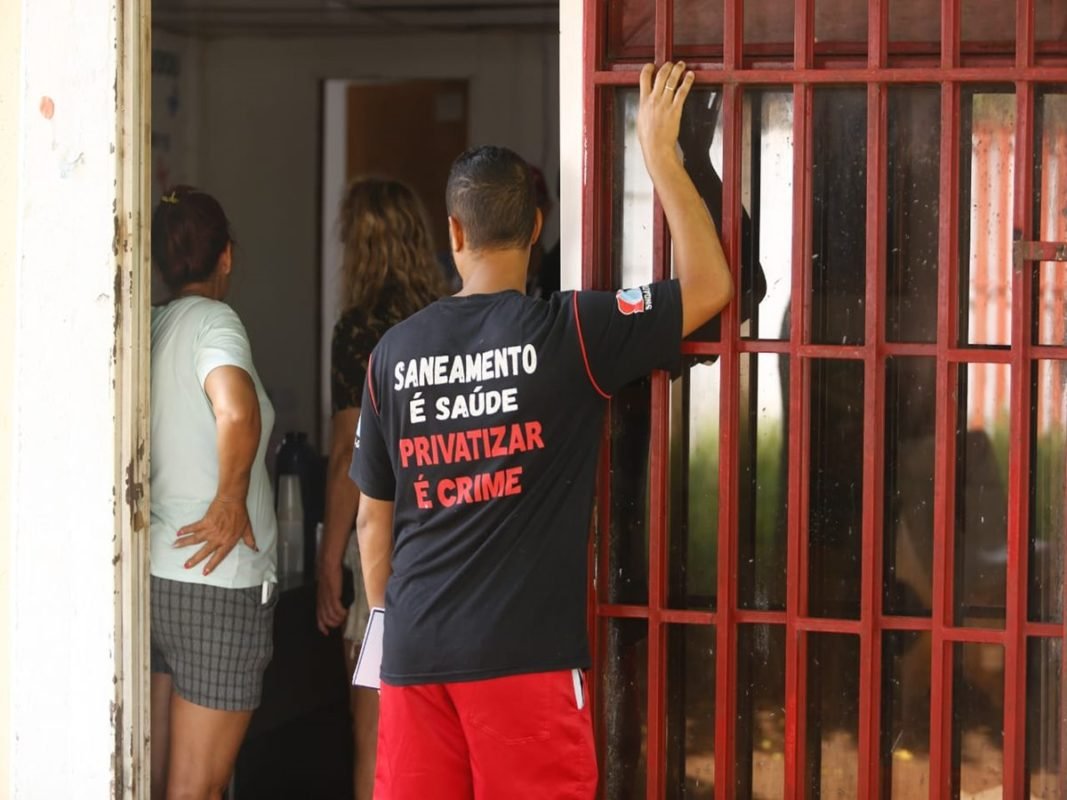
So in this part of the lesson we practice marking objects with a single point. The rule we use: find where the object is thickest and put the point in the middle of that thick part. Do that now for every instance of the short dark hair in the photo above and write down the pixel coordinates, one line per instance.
(491, 193)
(189, 233)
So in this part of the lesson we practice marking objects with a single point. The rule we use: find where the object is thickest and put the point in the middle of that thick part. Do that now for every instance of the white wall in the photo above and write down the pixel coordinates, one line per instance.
(176, 117)
(176, 112)
(572, 142)
(10, 107)
(62, 206)
(260, 142)
(331, 253)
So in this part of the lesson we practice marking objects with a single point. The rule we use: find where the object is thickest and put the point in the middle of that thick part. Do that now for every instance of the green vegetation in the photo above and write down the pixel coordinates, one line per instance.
(703, 511)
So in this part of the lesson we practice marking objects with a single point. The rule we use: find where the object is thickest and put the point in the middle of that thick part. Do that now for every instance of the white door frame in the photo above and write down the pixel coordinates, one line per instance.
(572, 142)
(132, 369)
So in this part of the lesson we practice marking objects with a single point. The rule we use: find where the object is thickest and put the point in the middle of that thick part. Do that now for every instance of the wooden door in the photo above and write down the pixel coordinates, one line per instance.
(410, 131)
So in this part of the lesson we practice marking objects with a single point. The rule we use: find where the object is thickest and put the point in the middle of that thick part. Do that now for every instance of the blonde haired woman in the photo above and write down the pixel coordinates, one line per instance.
(390, 272)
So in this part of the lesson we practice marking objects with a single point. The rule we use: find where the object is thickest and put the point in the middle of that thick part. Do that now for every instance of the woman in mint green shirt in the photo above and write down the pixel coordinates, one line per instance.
(213, 524)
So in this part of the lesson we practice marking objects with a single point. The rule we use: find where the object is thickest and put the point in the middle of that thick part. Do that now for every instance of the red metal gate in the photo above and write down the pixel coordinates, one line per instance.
(829, 554)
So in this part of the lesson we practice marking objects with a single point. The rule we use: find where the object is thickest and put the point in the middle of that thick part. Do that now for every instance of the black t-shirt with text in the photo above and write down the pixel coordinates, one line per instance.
(481, 421)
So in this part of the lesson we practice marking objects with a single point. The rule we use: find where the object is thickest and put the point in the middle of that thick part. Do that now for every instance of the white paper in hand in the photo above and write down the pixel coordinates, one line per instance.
(369, 666)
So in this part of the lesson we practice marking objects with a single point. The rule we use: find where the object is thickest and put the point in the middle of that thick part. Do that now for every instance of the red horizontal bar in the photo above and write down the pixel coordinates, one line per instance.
(626, 73)
(764, 346)
(754, 617)
(680, 616)
(1041, 251)
(827, 625)
(978, 355)
(887, 622)
(908, 55)
(1048, 352)
(703, 348)
(974, 635)
(1044, 630)
(823, 625)
(845, 352)
(891, 623)
(622, 612)
(909, 349)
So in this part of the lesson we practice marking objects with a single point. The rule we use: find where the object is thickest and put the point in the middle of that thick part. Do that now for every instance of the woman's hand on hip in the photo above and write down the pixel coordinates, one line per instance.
(224, 525)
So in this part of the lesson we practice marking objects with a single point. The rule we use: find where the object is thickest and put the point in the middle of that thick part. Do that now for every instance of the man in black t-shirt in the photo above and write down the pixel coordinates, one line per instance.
(476, 456)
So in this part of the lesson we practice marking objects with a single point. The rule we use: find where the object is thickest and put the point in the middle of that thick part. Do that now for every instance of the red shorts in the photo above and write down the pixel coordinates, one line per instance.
(523, 736)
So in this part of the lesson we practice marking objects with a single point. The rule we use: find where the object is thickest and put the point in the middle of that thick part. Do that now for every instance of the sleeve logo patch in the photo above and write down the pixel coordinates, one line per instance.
(359, 426)
(634, 301)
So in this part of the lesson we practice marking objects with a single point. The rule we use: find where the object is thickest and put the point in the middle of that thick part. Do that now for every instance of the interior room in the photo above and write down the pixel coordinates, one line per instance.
(271, 106)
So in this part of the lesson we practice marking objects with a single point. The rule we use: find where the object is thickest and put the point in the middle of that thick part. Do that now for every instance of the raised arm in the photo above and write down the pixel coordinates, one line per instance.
(699, 262)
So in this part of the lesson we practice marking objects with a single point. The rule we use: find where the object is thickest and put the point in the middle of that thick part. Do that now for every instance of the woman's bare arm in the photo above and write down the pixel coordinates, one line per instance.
(342, 500)
(236, 406)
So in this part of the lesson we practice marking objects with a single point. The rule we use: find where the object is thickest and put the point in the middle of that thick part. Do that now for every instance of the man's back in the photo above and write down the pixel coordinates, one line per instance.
(487, 418)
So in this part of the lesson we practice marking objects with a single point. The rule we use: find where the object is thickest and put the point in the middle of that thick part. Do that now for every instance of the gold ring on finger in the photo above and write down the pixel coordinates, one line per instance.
(672, 88)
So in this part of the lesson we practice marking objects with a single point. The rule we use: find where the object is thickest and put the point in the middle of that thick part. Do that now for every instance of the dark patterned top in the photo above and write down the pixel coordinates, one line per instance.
(354, 336)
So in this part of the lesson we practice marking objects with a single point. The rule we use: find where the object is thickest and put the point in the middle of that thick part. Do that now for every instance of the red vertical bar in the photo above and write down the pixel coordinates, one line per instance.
(804, 457)
(726, 634)
(878, 33)
(950, 34)
(804, 33)
(1002, 274)
(732, 34)
(945, 422)
(1024, 33)
(796, 661)
(657, 591)
(592, 51)
(659, 450)
(1019, 455)
(664, 29)
(599, 164)
(985, 324)
(868, 778)
(984, 198)
(797, 446)
(1053, 308)
(868, 783)
(729, 490)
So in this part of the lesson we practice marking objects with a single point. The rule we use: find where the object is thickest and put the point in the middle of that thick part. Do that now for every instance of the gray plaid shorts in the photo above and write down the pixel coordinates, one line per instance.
(215, 643)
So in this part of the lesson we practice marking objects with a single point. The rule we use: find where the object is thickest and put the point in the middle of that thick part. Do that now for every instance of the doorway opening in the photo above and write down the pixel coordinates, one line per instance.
(271, 107)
